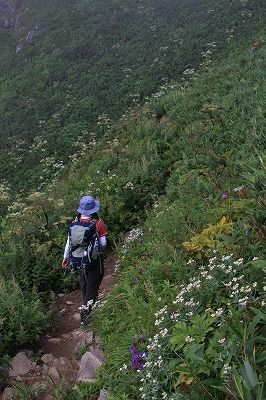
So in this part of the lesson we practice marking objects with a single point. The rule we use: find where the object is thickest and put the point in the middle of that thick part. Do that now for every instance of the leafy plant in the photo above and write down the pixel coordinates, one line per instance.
(22, 316)
(82, 391)
(210, 238)
(26, 392)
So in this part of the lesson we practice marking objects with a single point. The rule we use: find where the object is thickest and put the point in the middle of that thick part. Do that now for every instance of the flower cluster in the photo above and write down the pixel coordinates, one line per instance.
(16, 209)
(138, 356)
(104, 121)
(134, 235)
(150, 385)
(38, 144)
(4, 191)
(216, 286)
(137, 360)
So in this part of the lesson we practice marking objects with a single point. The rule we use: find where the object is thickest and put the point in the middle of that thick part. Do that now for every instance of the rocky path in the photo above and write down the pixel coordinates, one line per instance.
(67, 309)
(65, 352)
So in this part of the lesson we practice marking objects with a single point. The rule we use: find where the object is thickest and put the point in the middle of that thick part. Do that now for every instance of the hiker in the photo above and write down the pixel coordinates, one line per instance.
(84, 251)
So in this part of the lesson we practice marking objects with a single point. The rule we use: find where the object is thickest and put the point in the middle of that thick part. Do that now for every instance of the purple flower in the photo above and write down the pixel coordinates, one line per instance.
(133, 350)
(225, 196)
(137, 360)
(226, 174)
(207, 199)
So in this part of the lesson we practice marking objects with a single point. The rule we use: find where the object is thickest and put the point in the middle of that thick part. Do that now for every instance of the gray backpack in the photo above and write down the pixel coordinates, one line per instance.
(83, 245)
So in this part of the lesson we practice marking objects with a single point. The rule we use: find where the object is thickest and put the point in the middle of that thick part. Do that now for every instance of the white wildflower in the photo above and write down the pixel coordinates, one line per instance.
(189, 339)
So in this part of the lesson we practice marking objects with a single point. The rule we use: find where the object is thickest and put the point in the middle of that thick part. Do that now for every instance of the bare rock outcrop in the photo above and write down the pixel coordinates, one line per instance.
(36, 31)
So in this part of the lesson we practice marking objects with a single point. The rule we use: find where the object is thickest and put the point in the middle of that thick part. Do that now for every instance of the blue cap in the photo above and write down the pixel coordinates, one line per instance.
(88, 205)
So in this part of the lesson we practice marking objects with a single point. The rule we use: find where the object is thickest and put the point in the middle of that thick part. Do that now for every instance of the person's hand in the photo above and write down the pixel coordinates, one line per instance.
(64, 263)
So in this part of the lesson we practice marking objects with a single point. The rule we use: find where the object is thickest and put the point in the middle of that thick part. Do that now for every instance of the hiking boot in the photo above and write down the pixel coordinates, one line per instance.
(84, 315)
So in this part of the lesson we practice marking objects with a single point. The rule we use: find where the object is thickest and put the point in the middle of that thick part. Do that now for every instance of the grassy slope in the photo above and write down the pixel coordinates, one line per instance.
(110, 57)
(214, 136)
(174, 151)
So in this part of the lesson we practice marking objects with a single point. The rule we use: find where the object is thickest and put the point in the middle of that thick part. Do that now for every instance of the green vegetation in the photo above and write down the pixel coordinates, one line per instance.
(182, 171)
(192, 280)
(68, 71)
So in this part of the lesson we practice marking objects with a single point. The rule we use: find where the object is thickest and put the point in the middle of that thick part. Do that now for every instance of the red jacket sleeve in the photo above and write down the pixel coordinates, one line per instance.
(101, 228)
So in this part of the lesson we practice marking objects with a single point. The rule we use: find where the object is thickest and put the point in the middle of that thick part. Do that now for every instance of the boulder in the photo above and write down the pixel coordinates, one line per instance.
(89, 363)
(20, 365)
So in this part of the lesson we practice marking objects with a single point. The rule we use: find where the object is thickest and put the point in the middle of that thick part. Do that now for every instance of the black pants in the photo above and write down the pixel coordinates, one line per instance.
(90, 281)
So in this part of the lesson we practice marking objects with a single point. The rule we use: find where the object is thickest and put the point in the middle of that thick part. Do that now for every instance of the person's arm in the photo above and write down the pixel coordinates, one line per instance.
(65, 259)
(102, 232)
(103, 242)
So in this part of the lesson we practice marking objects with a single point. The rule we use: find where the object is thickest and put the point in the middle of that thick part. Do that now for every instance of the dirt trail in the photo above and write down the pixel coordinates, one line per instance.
(67, 309)
(58, 353)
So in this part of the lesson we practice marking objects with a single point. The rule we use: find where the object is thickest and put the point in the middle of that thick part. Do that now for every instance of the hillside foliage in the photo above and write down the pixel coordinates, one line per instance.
(69, 70)
(181, 170)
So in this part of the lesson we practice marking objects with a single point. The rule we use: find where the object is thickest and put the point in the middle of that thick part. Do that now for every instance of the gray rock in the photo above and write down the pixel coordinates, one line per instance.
(77, 334)
(48, 359)
(55, 340)
(103, 395)
(63, 360)
(34, 32)
(19, 48)
(86, 341)
(53, 373)
(60, 362)
(29, 37)
(20, 365)
(89, 363)
(45, 369)
(66, 336)
(77, 316)
(99, 354)
(9, 394)
(29, 353)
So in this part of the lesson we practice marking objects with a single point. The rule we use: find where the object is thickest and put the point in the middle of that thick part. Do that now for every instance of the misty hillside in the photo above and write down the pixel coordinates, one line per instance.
(157, 110)
(70, 69)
